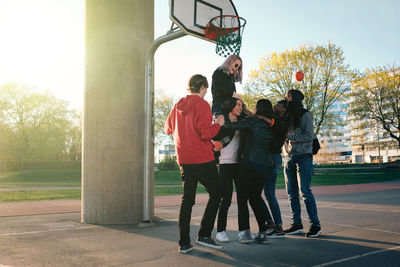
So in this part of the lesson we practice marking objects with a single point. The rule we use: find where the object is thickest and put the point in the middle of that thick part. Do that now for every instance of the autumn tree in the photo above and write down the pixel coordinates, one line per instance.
(326, 79)
(163, 105)
(35, 125)
(376, 100)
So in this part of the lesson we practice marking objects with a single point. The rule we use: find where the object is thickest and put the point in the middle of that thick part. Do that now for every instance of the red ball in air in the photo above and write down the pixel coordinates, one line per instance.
(299, 76)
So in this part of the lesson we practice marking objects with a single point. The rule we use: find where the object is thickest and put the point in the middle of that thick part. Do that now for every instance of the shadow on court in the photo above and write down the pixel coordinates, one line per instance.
(359, 229)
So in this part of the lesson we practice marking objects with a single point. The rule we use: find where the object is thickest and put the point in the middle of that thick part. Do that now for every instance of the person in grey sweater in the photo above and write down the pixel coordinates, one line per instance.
(297, 160)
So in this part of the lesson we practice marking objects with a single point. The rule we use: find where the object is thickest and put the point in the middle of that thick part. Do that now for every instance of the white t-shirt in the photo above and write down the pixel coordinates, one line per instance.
(229, 154)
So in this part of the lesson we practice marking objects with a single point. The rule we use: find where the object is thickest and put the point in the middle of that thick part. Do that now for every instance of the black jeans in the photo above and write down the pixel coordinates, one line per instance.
(207, 175)
(229, 173)
(250, 186)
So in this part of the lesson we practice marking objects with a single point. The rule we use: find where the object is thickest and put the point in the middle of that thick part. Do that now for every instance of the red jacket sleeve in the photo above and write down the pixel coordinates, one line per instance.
(204, 125)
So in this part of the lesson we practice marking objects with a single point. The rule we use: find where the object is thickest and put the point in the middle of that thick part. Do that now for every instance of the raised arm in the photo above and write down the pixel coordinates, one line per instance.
(204, 124)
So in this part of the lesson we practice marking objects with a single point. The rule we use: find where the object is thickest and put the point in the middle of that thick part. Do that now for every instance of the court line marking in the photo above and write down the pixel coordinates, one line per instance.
(363, 209)
(48, 231)
(364, 228)
(356, 257)
(325, 222)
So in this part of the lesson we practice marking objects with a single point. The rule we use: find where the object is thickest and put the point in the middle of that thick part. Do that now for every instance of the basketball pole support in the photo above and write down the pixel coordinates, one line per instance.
(149, 122)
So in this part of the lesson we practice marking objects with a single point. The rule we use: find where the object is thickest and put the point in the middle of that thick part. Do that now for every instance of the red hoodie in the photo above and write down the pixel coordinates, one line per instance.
(190, 122)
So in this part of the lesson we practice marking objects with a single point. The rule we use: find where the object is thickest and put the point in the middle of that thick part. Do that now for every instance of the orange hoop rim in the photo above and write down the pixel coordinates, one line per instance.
(227, 16)
(212, 31)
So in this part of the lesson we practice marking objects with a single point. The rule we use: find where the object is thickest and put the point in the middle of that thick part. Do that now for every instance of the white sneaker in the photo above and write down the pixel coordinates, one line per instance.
(222, 237)
(245, 236)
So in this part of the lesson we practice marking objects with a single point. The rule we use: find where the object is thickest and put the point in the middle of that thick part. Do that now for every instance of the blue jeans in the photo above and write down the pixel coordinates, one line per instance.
(269, 188)
(298, 172)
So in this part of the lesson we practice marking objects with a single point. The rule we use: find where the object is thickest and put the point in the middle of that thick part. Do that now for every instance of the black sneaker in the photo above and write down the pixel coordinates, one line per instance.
(208, 242)
(270, 225)
(295, 229)
(276, 234)
(314, 231)
(186, 248)
(261, 238)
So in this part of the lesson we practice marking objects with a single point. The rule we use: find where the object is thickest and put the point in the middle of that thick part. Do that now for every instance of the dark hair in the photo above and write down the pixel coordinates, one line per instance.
(264, 108)
(195, 83)
(229, 104)
(283, 103)
(295, 107)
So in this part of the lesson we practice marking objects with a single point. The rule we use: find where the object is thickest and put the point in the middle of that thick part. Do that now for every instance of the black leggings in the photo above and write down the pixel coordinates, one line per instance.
(229, 173)
(249, 188)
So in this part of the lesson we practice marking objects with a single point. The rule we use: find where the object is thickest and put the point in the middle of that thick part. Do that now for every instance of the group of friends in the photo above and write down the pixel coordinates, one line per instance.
(228, 144)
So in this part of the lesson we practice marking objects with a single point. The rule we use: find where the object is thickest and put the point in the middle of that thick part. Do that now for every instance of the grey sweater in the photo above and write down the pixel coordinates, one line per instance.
(299, 141)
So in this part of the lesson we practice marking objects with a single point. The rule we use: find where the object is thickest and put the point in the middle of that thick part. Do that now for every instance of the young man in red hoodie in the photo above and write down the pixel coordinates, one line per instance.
(191, 124)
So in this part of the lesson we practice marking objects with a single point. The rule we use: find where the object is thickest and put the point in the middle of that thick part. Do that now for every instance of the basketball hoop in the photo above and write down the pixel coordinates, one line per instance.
(226, 31)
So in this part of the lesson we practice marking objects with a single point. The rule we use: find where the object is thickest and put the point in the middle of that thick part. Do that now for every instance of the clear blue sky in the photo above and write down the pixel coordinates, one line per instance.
(50, 55)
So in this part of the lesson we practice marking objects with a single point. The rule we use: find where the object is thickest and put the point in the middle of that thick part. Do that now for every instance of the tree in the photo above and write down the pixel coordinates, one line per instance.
(327, 79)
(163, 105)
(74, 137)
(36, 125)
(376, 99)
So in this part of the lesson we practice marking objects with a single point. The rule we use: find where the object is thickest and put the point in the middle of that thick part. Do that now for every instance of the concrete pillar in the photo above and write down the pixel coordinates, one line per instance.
(118, 35)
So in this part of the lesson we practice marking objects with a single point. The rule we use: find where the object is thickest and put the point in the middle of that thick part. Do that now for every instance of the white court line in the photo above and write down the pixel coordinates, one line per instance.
(345, 208)
(346, 225)
(48, 231)
(365, 228)
(356, 257)
(352, 226)
(1, 265)
(325, 222)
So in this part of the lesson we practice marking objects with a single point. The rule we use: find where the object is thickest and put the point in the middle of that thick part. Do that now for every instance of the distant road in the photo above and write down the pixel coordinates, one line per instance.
(61, 188)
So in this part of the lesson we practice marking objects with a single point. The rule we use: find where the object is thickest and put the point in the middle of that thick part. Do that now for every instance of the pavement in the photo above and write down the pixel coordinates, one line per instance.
(360, 227)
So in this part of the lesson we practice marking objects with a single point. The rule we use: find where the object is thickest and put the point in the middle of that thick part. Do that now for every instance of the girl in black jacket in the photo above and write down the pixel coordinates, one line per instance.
(223, 82)
(256, 158)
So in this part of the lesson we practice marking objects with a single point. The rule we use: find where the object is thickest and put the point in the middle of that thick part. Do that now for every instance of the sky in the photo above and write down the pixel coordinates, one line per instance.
(42, 41)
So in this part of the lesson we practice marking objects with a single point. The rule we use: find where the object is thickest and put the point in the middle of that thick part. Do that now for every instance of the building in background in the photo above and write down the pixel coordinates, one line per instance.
(336, 143)
(378, 92)
(161, 150)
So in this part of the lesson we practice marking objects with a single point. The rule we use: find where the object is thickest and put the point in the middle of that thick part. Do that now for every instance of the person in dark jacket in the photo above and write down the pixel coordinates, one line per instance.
(279, 130)
(256, 159)
(297, 159)
(223, 82)
(228, 158)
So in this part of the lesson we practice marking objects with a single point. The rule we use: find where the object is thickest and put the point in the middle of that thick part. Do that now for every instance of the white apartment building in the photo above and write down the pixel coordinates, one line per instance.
(374, 146)
(350, 145)
(336, 143)
(160, 151)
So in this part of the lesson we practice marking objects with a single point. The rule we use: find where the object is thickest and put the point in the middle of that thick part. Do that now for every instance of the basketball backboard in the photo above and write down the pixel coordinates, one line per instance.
(193, 15)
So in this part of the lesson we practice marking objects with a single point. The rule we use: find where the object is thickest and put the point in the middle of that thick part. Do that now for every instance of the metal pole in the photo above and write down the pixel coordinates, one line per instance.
(148, 111)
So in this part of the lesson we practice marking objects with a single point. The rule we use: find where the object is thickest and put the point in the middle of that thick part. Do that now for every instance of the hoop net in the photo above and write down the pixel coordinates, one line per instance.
(227, 31)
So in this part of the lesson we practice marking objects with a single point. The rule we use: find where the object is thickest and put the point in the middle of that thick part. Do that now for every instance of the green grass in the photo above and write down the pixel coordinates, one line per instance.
(35, 195)
(41, 178)
(354, 176)
(167, 177)
(60, 176)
